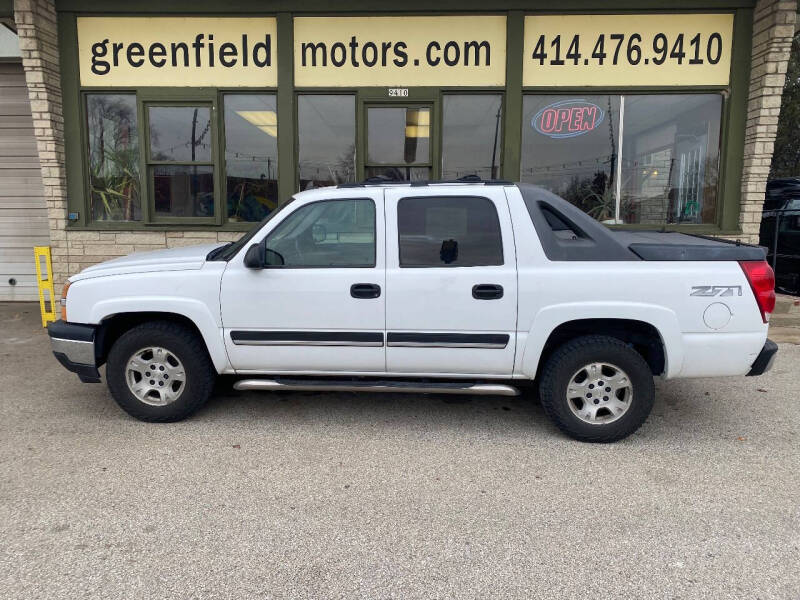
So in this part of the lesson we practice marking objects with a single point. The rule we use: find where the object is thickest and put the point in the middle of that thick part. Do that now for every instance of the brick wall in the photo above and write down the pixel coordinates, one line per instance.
(773, 28)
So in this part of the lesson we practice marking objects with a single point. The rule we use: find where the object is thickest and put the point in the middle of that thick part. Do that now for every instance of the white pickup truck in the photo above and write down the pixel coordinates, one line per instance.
(466, 288)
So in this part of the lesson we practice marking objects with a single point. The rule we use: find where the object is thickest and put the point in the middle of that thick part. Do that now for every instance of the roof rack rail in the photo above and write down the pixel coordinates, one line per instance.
(383, 180)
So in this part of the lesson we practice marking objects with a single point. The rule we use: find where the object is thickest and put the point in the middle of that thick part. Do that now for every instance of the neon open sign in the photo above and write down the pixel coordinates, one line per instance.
(568, 118)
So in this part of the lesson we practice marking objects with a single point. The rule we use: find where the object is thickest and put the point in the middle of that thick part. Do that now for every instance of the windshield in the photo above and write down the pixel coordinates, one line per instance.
(230, 250)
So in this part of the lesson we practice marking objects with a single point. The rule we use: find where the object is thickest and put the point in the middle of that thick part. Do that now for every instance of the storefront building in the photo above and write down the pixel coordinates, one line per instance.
(164, 124)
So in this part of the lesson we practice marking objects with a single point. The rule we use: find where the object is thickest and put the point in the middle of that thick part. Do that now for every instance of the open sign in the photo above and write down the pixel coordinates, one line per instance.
(568, 118)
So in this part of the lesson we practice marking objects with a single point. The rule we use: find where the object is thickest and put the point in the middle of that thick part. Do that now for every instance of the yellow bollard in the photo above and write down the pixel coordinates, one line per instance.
(45, 283)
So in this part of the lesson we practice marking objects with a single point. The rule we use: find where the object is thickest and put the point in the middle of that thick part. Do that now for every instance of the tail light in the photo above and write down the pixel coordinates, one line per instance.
(762, 282)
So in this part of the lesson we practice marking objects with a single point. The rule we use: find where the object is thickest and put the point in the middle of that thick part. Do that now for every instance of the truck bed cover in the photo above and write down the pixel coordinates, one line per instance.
(674, 246)
(569, 234)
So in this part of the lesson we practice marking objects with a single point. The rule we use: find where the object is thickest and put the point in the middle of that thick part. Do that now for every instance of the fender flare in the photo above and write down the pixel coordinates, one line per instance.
(664, 320)
(194, 310)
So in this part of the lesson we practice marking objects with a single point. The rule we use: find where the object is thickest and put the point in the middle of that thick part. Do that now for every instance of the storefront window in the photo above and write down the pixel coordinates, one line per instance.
(180, 161)
(113, 157)
(398, 142)
(326, 131)
(669, 150)
(670, 158)
(569, 146)
(471, 135)
(251, 156)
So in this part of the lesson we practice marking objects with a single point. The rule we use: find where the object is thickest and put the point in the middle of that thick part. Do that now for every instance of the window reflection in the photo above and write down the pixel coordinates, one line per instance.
(400, 173)
(670, 158)
(326, 139)
(113, 157)
(251, 156)
(669, 168)
(398, 135)
(180, 133)
(333, 233)
(569, 146)
(471, 135)
(183, 190)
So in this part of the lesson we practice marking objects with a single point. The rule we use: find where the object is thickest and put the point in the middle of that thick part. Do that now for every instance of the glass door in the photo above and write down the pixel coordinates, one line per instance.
(398, 142)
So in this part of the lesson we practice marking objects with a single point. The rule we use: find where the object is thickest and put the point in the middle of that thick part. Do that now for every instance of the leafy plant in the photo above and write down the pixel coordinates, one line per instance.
(113, 157)
(115, 185)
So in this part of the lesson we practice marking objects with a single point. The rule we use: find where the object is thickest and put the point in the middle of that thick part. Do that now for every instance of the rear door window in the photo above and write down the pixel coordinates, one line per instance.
(449, 231)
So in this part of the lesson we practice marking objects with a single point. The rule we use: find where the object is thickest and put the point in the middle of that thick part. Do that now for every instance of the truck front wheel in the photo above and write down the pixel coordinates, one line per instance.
(160, 372)
(597, 389)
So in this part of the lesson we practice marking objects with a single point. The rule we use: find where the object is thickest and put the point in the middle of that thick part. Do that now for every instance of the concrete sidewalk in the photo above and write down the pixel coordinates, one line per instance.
(784, 324)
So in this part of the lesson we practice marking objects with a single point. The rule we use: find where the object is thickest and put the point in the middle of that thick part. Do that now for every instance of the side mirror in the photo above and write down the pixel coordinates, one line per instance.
(273, 258)
(254, 258)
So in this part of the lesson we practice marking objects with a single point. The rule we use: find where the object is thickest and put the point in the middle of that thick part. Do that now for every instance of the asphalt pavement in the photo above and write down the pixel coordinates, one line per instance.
(307, 495)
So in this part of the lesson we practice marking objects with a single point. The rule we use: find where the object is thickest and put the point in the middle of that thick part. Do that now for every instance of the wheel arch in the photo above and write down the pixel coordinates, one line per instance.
(654, 333)
(114, 324)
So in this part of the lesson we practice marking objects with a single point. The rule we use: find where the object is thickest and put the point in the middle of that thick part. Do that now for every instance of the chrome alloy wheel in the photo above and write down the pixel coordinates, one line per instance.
(599, 393)
(155, 376)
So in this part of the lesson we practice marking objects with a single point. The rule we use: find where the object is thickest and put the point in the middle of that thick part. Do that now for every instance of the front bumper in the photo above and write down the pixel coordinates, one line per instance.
(765, 358)
(74, 347)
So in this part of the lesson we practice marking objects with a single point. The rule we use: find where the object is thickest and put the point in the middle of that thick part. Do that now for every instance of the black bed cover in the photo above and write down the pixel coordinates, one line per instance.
(674, 246)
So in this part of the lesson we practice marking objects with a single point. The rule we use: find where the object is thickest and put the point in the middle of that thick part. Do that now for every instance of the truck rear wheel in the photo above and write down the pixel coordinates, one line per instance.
(597, 389)
(160, 372)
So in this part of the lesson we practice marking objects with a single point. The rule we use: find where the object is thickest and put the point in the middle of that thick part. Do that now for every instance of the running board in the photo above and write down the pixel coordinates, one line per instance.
(407, 387)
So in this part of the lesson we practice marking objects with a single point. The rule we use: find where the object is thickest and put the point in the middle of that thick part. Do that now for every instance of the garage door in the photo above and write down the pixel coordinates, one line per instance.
(23, 215)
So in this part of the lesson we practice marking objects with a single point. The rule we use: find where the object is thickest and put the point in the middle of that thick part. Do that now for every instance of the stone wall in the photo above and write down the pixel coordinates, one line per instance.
(38, 42)
(73, 250)
(773, 29)
(774, 22)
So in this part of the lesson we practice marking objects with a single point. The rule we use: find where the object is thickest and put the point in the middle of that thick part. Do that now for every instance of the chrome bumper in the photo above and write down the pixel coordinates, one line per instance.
(74, 347)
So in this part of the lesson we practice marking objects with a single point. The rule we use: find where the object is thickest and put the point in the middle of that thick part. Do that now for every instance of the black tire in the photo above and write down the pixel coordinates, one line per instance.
(186, 345)
(582, 351)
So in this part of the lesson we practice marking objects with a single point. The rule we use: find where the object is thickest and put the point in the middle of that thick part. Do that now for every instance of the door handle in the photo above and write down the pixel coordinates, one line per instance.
(365, 290)
(487, 291)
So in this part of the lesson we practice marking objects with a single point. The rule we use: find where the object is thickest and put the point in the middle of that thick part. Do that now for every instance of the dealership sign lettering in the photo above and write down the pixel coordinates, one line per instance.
(670, 49)
(392, 51)
(568, 118)
(177, 51)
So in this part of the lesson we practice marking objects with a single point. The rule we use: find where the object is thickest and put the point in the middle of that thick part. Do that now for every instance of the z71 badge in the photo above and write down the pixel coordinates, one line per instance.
(716, 290)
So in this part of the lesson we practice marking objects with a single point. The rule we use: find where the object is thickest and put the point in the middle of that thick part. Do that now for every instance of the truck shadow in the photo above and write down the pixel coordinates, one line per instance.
(676, 412)
(399, 410)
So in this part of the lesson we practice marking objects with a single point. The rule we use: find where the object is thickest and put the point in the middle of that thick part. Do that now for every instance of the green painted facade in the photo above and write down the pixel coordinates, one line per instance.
(733, 116)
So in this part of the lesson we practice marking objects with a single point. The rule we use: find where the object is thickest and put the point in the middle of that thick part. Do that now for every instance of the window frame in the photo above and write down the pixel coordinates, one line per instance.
(735, 97)
(445, 265)
(325, 200)
(434, 133)
(223, 145)
(722, 207)
(87, 209)
(213, 163)
(299, 92)
(159, 96)
(501, 92)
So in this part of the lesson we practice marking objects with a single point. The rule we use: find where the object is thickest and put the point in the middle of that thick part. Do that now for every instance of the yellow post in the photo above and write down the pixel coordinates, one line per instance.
(45, 283)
